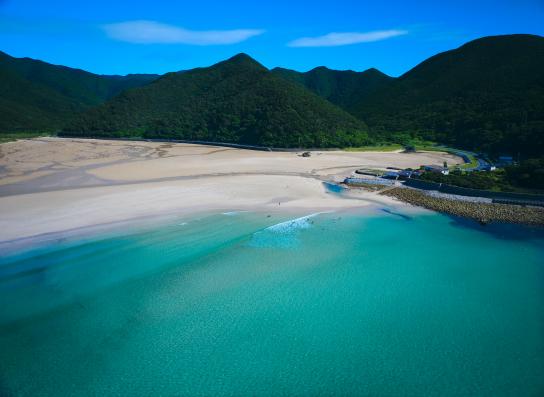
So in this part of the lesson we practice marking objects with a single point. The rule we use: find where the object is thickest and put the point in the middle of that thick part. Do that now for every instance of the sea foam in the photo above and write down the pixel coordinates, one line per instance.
(232, 213)
(283, 234)
(292, 224)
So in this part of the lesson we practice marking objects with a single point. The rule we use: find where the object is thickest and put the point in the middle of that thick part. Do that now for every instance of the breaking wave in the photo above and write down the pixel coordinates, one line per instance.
(232, 213)
(283, 234)
(291, 225)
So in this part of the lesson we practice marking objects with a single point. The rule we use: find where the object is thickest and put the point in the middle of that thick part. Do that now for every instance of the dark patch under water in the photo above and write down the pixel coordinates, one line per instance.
(401, 215)
(500, 230)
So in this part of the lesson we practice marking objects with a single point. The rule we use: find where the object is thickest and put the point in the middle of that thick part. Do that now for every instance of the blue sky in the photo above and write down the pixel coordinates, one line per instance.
(119, 37)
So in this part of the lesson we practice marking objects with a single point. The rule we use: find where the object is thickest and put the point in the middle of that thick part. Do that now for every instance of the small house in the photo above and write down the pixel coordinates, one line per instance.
(391, 175)
(437, 169)
(405, 174)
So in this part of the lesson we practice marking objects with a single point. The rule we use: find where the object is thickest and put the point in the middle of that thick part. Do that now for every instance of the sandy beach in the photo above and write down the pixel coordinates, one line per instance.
(50, 185)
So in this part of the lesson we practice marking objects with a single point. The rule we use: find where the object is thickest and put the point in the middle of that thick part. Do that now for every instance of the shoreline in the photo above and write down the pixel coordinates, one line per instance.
(49, 185)
(138, 224)
(482, 212)
(54, 187)
(47, 213)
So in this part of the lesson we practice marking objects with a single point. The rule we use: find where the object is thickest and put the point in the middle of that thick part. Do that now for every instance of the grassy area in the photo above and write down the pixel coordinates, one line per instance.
(9, 137)
(429, 148)
(390, 147)
(418, 145)
(370, 171)
(368, 186)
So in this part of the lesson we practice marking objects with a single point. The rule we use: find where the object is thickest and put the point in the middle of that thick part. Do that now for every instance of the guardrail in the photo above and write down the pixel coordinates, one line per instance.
(463, 191)
(423, 185)
(208, 143)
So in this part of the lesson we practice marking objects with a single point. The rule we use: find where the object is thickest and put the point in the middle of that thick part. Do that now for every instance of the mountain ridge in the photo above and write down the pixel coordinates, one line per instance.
(237, 100)
(485, 95)
(38, 95)
(344, 88)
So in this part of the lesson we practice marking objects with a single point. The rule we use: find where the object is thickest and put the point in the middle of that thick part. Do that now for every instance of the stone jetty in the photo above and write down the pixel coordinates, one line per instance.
(482, 212)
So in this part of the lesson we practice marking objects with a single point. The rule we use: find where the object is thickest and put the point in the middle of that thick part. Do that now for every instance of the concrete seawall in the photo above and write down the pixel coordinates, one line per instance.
(521, 198)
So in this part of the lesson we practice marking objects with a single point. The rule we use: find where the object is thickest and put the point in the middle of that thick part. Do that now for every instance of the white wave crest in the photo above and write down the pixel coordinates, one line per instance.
(282, 235)
(232, 213)
(291, 225)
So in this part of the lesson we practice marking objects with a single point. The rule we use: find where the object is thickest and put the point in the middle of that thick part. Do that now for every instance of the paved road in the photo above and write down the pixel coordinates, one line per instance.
(482, 164)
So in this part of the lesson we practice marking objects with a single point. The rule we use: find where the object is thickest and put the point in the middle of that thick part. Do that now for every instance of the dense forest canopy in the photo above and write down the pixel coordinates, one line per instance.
(487, 95)
(344, 88)
(35, 95)
(237, 100)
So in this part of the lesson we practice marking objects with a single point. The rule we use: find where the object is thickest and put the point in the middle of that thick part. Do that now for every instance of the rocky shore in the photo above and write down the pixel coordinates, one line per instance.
(480, 211)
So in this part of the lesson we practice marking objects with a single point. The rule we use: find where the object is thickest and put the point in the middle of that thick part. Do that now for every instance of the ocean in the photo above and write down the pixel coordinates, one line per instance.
(379, 303)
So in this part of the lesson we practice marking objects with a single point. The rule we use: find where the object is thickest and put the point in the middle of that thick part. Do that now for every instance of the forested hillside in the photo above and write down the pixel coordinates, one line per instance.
(487, 95)
(344, 88)
(35, 95)
(237, 100)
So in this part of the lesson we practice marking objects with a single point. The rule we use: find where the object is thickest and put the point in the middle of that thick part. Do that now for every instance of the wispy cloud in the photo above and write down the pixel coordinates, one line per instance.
(151, 32)
(338, 39)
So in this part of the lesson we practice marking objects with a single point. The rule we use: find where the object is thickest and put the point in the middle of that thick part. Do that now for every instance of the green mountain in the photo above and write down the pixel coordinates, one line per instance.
(486, 95)
(344, 88)
(237, 100)
(35, 95)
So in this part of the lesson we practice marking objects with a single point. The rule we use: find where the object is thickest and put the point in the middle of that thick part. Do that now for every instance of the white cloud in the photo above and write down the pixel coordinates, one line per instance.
(151, 32)
(338, 39)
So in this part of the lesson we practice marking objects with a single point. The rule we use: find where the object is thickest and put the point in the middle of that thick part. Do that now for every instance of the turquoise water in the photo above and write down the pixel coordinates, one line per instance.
(244, 304)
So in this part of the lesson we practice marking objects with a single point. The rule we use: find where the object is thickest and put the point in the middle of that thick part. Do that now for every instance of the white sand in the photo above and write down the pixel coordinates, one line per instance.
(53, 185)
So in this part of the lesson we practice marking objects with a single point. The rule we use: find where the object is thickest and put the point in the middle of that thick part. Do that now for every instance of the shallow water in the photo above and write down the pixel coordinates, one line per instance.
(241, 303)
